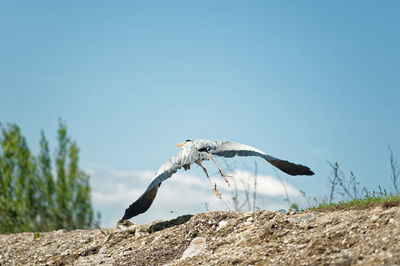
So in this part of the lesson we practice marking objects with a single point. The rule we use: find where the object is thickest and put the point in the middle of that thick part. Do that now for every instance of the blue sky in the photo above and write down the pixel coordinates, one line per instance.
(307, 81)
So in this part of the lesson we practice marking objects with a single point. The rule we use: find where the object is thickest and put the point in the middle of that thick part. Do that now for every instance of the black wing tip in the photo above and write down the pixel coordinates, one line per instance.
(142, 204)
(132, 211)
(291, 168)
(308, 172)
(303, 170)
(129, 214)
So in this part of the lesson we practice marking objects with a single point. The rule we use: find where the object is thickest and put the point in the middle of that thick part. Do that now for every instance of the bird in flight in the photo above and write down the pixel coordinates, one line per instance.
(196, 151)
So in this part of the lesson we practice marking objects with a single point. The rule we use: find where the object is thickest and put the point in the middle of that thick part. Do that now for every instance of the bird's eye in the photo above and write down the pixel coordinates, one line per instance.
(205, 149)
(188, 140)
(208, 148)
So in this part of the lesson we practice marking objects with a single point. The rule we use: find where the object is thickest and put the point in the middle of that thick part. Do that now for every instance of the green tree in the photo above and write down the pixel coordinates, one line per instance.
(79, 181)
(31, 197)
(19, 190)
(63, 213)
(47, 184)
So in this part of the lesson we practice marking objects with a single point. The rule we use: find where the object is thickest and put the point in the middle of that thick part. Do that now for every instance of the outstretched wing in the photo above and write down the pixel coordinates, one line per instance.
(230, 149)
(169, 168)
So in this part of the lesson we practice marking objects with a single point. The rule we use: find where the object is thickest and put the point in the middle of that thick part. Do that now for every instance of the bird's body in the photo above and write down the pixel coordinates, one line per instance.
(196, 151)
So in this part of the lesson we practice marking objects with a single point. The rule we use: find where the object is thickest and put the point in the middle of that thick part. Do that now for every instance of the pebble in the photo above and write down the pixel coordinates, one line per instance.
(222, 224)
(197, 245)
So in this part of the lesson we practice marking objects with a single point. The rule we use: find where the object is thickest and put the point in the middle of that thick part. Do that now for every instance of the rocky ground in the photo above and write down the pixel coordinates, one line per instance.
(367, 237)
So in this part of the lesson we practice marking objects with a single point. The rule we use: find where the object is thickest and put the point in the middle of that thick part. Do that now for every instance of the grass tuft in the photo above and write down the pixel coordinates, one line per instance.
(360, 204)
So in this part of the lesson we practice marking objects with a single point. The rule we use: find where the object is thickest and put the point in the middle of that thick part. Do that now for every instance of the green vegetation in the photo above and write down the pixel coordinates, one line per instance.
(32, 197)
(345, 191)
(36, 235)
(347, 187)
(360, 204)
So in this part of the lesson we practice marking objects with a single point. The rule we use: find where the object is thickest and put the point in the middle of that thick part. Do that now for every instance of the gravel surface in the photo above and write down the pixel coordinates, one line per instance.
(366, 237)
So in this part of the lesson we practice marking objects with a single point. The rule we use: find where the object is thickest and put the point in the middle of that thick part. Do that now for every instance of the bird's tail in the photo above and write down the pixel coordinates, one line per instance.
(142, 204)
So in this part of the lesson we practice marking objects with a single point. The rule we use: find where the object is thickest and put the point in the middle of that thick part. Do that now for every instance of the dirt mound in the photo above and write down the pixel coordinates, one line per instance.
(370, 236)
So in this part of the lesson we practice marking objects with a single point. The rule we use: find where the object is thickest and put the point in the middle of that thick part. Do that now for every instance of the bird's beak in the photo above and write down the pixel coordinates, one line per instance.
(180, 145)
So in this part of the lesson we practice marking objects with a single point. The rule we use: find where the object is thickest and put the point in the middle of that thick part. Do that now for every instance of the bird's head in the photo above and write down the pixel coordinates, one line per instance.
(183, 143)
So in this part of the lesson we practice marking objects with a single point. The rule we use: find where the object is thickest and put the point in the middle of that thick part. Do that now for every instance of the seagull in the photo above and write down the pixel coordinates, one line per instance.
(197, 151)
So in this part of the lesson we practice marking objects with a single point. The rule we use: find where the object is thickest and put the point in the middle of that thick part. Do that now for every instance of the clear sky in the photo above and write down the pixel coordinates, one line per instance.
(306, 81)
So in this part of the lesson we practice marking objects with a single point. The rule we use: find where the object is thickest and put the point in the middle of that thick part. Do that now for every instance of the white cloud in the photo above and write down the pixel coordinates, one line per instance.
(119, 193)
(114, 190)
(266, 185)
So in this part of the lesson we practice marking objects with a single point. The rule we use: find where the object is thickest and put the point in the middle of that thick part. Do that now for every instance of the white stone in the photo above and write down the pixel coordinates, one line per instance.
(197, 245)
(222, 224)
